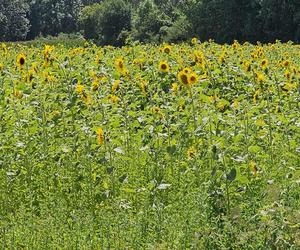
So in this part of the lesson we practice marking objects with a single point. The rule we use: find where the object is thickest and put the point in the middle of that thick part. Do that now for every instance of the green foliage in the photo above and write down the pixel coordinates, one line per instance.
(14, 24)
(148, 22)
(101, 149)
(281, 19)
(180, 29)
(51, 17)
(89, 21)
(106, 21)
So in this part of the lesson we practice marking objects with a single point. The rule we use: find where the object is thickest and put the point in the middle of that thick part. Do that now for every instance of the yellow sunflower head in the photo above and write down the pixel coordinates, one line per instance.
(115, 86)
(191, 152)
(192, 78)
(100, 136)
(167, 49)
(264, 63)
(194, 41)
(79, 89)
(119, 63)
(21, 60)
(187, 70)
(260, 77)
(164, 67)
(183, 78)
(95, 85)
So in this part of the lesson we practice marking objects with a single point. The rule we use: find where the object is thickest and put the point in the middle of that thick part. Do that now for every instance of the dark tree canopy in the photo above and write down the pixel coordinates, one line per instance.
(111, 21)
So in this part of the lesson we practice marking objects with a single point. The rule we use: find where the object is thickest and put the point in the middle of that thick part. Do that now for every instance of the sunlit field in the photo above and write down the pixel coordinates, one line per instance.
(176, 146)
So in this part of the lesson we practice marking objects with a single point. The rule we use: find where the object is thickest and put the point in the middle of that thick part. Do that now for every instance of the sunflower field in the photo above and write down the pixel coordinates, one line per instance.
(173, 146)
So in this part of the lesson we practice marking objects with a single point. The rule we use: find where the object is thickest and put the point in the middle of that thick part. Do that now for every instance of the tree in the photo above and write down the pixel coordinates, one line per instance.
(281, 19)
(148, 21)
(105, 22)
(14, 24)
(50, 17)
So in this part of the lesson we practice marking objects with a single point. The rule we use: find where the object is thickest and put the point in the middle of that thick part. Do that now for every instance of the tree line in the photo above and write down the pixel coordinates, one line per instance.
(116, 21)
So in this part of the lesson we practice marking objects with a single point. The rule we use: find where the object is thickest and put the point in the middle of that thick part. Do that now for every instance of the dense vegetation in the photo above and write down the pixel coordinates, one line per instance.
(115, 21)
(190, 146)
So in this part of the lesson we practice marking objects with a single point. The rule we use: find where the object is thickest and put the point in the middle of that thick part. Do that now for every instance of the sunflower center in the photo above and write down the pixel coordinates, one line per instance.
(22, 61)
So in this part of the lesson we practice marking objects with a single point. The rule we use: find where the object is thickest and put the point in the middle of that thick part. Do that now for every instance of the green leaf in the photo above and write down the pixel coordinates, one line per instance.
(232, 175)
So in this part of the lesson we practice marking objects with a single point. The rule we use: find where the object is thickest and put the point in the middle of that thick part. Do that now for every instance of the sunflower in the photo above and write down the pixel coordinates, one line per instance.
(98, 59)
(100, 136)
(47, 51)
(21, 59)
(287, 74)
(113, 98)
(264, 63)
(167, 49)
(115, 86)
(253, 168)
(4, 48)
(191, 152)
(260, 77)
(174, 87)
(187, 70)
(192, 78)
(183, 78)
(164, 67)
(194, 41)
(285, 63)
(95, 85)
(79, 89)
(247, 66)
(119, 63)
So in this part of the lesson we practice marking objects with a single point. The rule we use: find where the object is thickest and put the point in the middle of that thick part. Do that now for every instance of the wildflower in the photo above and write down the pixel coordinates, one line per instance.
(143, 87)
(285, 63)
(194, 41)
(174, 87)
(191, 152)
(4, 48)
(221, 59)
(86, 98)
(288, 86)
(187, 70)
(79, 89)
(164, 67)
(100, 136)
(47, 51)
(260, 77)
(115, 86)
(156, 109)
(253, 168)
(21, 59)
(119, 63)
(235, 104)
(18, 94)
(95, 85)
(1, 67)
(30, 75)
(98, 59)
(264, 63)
(183, 78)
(167, 49)
(256, 95)
(246, 66)
(192, 78)
(113, 98)
(287, 74)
